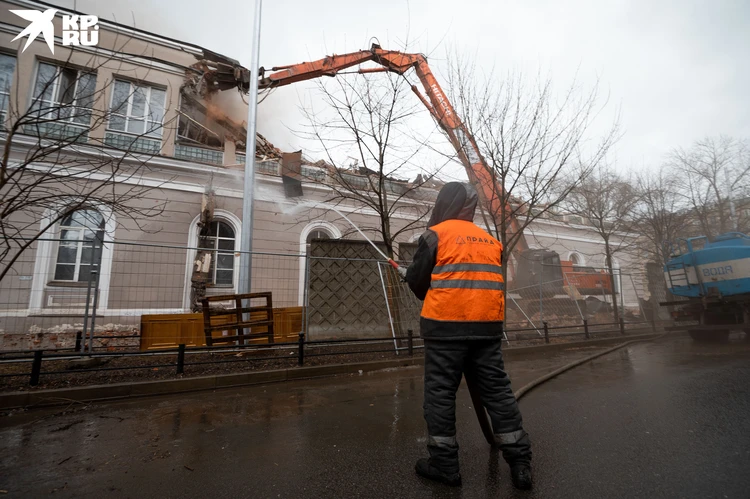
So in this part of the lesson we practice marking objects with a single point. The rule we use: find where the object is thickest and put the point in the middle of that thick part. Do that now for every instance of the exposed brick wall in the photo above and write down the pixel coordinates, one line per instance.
(107, 337)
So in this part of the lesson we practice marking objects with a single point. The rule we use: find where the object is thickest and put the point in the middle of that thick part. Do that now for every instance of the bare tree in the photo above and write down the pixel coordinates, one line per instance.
(713, 176)
(608, 202)
(366, 137)
(538, 148)
(51, 165)
(662, 214)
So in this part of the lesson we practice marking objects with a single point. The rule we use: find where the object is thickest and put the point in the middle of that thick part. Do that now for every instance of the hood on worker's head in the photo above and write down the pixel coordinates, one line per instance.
(455, 201)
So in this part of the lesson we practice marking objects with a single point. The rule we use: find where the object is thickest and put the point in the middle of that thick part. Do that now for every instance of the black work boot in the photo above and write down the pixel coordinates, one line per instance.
(521, 476)
(427, 470)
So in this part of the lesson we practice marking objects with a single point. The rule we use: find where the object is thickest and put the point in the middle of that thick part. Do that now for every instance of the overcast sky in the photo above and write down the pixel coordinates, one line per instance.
(677, 70)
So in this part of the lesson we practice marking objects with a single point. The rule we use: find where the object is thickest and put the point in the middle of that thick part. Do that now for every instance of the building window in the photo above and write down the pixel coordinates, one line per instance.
(199, 154)
(397, 188)
(63, 98)
(7, 69)
(78, 250)
(313, 173)
(618, 276)
(577, 262)
(220, 238)
(355, 181)
(195, 127)
(575, 219)
(269, 166)
(137, 109)
(315, 234)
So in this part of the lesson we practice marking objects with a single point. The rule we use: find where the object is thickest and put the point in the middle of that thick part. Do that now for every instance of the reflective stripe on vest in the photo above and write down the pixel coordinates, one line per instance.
(467, 282)
(468, 267)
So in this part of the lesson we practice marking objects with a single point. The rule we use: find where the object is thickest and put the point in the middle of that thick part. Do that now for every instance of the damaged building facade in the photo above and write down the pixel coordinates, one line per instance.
(166, 101)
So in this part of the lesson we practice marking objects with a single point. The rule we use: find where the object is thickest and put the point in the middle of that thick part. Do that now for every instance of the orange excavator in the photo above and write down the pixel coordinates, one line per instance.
(226, 74)
(436, 102)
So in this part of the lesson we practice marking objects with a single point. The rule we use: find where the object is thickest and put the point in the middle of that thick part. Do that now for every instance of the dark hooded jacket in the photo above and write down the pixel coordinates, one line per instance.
(456, 200)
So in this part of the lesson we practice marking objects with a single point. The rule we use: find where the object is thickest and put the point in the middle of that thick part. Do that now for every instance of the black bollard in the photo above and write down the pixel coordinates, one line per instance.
(36, 368)
(301, 358)
(586, 328)
(546, 332)
(181, 358)
(411, 341)
(622, 326)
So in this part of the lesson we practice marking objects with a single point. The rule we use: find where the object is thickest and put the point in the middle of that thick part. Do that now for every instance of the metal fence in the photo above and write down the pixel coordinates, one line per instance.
(574, 297)
(140, 297)
(402, 306)
(57, 298)
(53, 295)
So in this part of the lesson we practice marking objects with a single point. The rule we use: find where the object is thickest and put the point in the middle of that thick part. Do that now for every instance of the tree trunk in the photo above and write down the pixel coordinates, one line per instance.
(615, 308)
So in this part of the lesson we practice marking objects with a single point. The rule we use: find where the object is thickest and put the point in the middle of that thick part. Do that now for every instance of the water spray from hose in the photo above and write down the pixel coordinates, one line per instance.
(401, 271)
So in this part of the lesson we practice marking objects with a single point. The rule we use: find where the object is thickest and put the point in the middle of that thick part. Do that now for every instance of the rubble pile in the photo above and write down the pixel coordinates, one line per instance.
(264, 149)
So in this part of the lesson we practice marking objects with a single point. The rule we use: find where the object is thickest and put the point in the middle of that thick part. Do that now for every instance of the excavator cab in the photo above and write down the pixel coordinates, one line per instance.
(538, 266)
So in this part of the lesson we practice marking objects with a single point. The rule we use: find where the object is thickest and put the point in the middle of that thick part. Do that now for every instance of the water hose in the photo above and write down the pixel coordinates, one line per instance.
(567, 367)
(401, 271)
(476, 398)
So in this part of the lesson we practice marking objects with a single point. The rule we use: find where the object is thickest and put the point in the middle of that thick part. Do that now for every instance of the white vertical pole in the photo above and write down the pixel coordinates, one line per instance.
(246, 241)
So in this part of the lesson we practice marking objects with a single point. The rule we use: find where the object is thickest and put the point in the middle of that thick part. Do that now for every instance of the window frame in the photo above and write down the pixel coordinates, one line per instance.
(45, 254)
(354, 181)
(311, 173)
(79, 244)
(580, 264)
(192, 240)
(215, 251)
(183, 116)
(308, 241)
(128, 117)
(5, 95)
(38, 100)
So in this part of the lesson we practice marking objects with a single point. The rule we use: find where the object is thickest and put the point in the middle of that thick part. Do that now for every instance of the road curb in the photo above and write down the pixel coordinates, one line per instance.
(115, 391)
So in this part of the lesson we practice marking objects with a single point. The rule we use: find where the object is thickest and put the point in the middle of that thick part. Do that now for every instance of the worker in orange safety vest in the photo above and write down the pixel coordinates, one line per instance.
(457, 272)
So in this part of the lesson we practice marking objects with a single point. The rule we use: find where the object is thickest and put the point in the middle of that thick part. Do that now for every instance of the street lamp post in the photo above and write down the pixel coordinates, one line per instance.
(246, 240)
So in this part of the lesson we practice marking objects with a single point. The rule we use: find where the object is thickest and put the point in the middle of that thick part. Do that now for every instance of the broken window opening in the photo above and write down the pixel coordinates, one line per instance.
(203, 124)
(196, 128)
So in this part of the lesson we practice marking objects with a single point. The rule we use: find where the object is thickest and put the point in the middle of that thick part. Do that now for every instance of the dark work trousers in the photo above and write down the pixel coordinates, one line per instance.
(444, 364)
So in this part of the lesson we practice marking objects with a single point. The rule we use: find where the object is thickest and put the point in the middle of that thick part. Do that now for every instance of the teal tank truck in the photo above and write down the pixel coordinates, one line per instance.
(713, 276)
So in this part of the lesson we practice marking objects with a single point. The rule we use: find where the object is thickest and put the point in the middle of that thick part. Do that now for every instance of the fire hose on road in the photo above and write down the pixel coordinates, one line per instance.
(484, 421)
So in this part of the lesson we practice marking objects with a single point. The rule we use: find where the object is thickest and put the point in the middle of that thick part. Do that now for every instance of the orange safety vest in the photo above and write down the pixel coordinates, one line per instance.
(467, 281)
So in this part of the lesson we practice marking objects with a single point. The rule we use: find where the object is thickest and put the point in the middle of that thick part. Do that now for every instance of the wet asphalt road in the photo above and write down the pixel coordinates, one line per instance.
(669, 419)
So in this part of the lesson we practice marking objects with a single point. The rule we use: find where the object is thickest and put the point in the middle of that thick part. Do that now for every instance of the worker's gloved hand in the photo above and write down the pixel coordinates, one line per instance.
(402, 272)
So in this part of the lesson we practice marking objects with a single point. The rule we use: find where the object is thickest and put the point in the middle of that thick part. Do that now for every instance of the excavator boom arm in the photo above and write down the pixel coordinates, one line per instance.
(437, 103)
